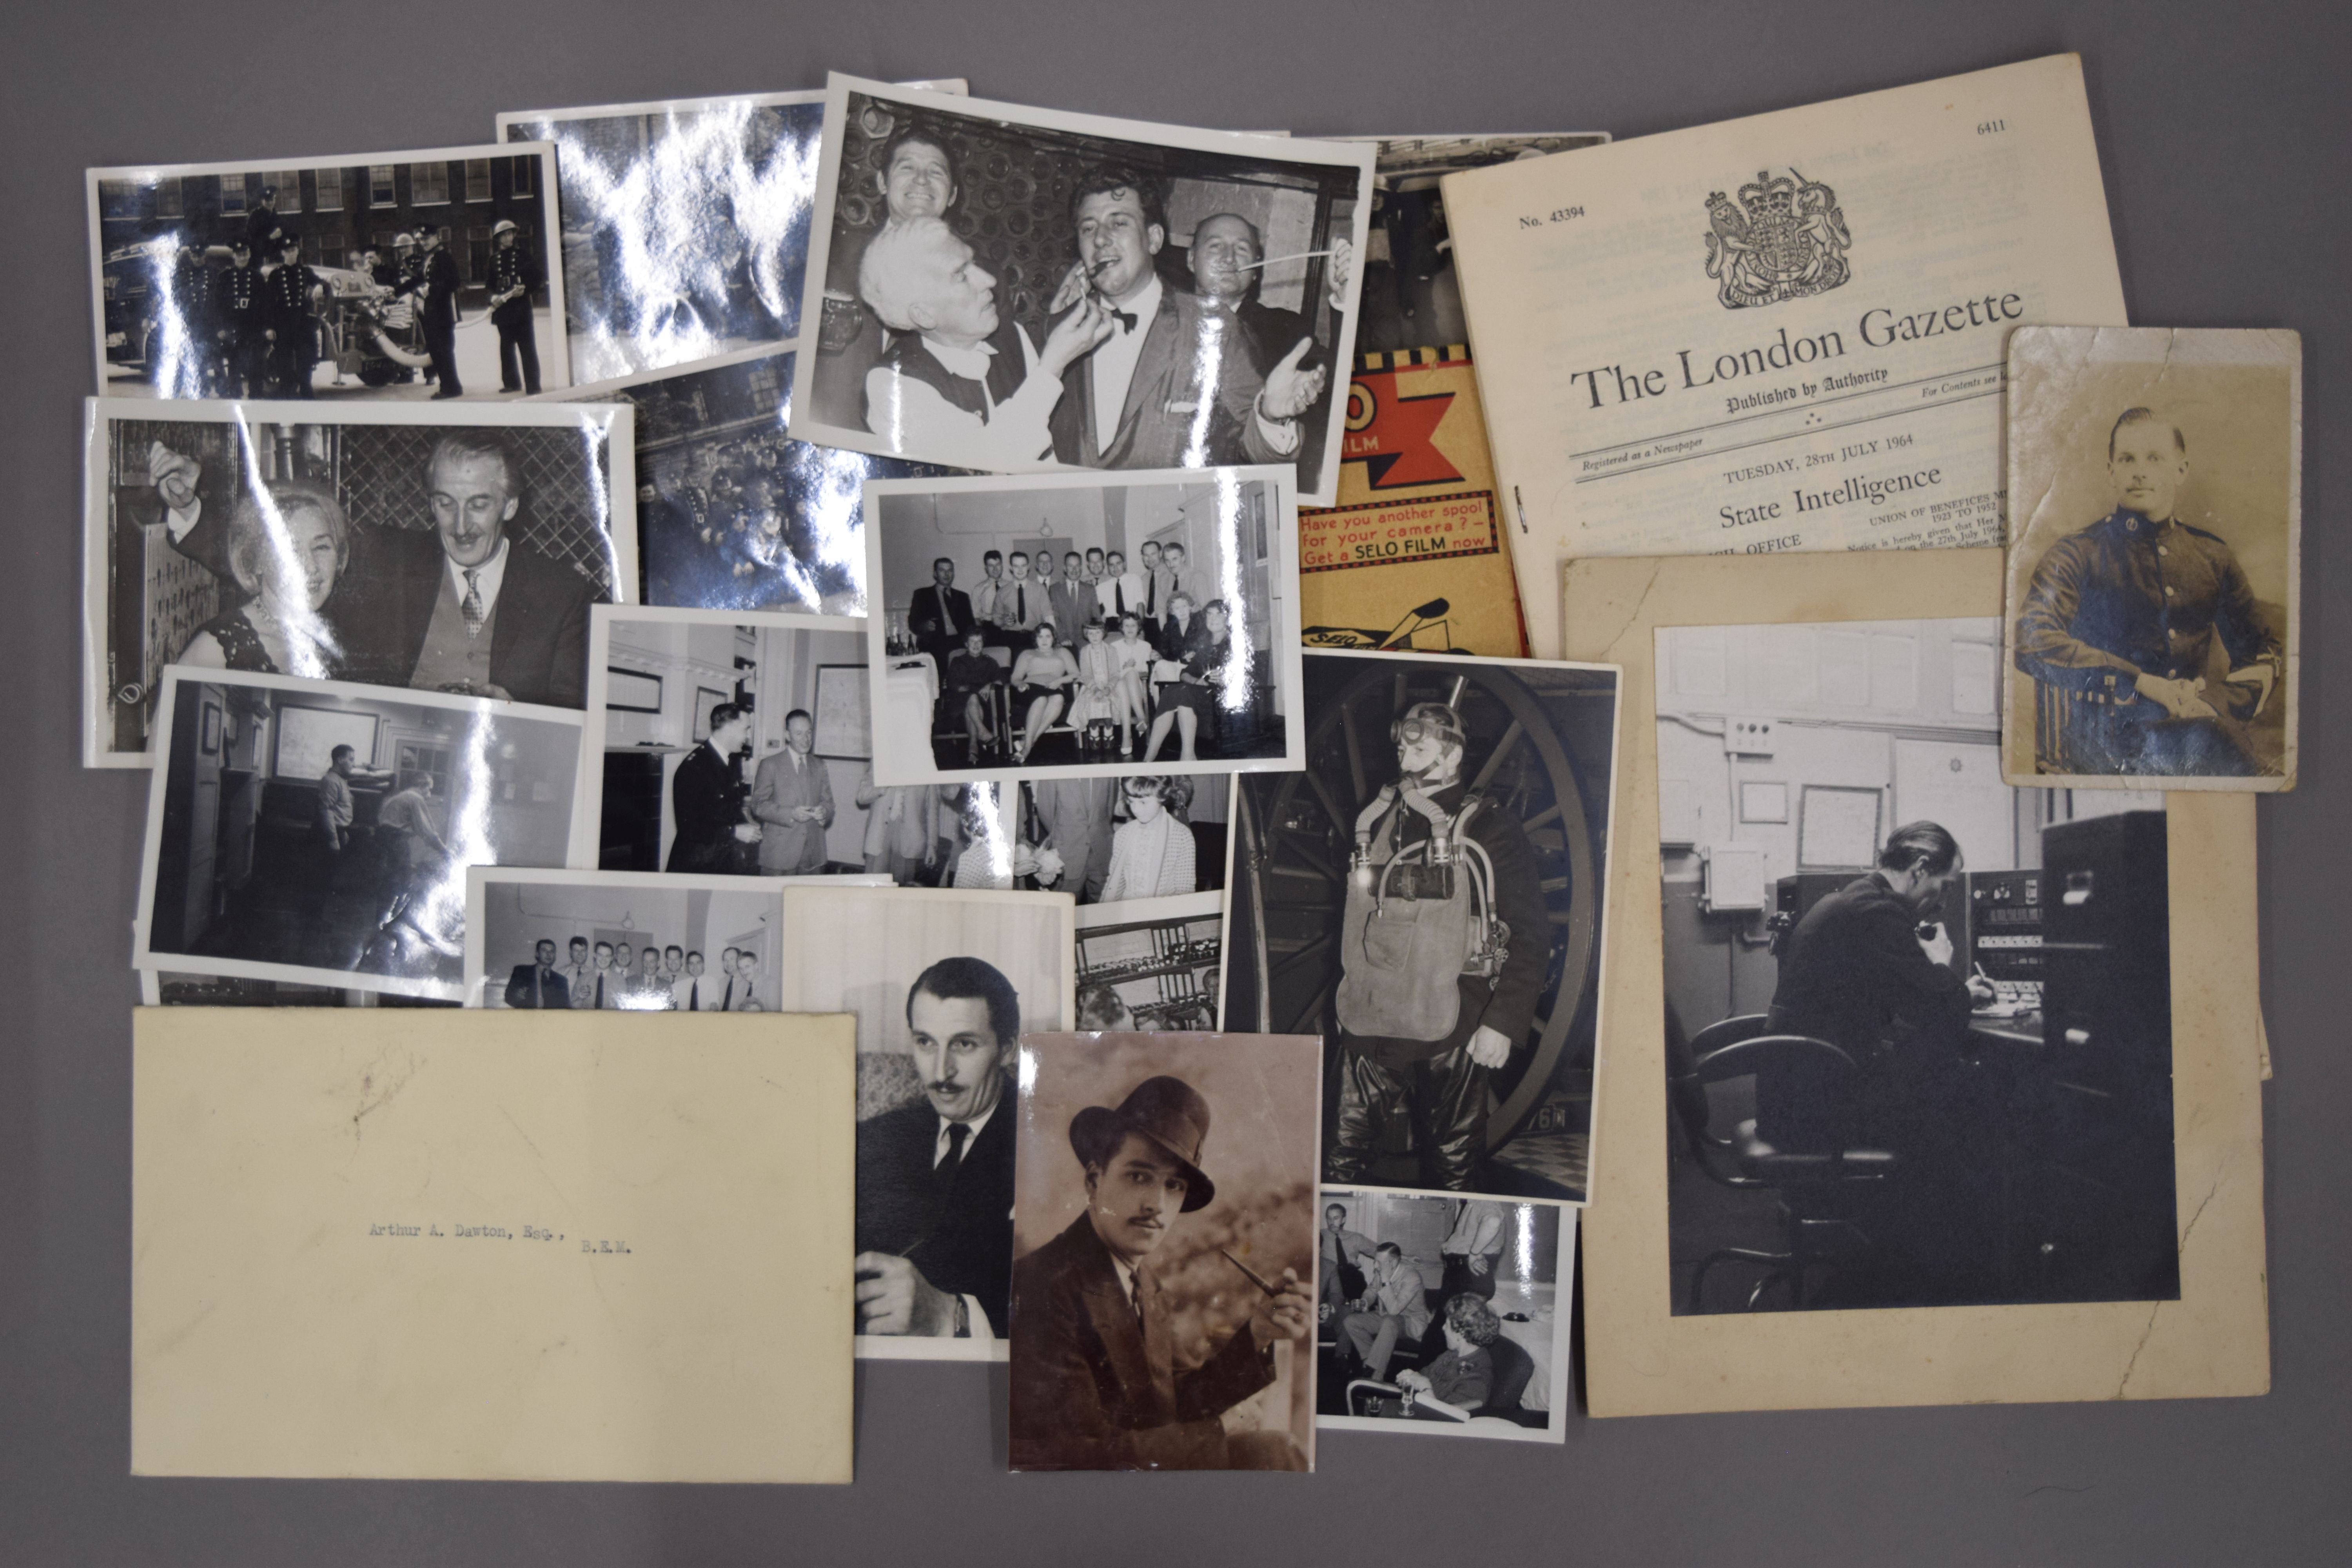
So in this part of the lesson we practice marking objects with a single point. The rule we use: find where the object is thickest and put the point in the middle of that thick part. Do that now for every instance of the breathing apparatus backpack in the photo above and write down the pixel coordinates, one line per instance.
(1416, 918)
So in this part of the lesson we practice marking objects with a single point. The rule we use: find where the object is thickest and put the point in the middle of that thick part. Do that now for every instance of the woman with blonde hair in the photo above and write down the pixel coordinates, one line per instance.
(287, 548)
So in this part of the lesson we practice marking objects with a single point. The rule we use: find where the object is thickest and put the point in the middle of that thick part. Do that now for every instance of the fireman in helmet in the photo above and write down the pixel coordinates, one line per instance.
(1444, 943)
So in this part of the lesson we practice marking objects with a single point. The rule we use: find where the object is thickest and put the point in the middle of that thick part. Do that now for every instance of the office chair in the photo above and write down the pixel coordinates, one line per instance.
(1817, 1185)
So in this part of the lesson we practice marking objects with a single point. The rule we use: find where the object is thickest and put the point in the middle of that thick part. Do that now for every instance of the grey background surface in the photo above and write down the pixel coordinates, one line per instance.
(2223, 135)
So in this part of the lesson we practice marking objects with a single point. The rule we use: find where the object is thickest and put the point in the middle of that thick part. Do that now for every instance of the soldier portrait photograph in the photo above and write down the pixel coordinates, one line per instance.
(2155, 498)
(1425, 896)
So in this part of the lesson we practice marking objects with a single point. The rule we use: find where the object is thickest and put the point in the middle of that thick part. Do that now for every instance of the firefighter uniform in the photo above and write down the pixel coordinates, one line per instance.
(286, 314)
(512, 269)
(435, 287)
(237, 294)
(191, 296)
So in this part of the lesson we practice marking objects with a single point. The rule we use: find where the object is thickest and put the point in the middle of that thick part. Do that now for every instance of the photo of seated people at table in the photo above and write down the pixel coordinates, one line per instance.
(1444, 1316)
(621, 941)
(1919, 1023)
(732, 512)
(1011, 290)
(320, 833)
(386, 546)
(1079, 625)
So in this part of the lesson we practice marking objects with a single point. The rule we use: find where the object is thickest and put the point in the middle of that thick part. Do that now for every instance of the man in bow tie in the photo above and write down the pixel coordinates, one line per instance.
(1173, 385)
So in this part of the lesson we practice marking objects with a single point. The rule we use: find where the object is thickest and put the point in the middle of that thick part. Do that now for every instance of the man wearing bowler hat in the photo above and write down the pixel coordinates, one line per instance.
(1094, 1344)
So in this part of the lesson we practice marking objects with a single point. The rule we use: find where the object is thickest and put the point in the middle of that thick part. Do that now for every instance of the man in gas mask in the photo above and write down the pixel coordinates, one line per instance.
(1442, 958)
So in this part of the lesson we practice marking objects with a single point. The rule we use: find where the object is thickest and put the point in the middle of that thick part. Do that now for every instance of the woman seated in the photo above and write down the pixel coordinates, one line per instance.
(1151, 853)
(286, 549)
(1453, 1387)
(1134, 655)
(970, 675)
(1099, 695)
(1044, 676)
(1203, 646)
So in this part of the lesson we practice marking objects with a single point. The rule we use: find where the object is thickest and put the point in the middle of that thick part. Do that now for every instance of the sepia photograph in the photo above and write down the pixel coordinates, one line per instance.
(943, 985)
(1919, 1023)
(621, 941)
(1008, 290)
(1444, 1316)
(1152, 966)
(1162, 1292)
(684, 222)
(1425, 895)
(444, 550)
(402, 275)
(2155, 559)
(1411, 298)
(733, 513)
(320, 833)
(1106, 626)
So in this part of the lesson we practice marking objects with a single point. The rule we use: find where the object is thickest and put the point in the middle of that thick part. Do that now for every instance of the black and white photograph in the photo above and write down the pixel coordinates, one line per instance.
(1164, 1220)
(1079, 626)
(1151, 966)
(450, 550)
(1444, 1316)
(733, 512)
(1127, 840)
(684, 222)
(1411, 296)
(2156, 478)
(943, 983)
(320, 833)
(1009, 289)
(738, 745)
(1426, 895)
(1918, 1021)
(403, 276)
(169, 988)
(622, 941)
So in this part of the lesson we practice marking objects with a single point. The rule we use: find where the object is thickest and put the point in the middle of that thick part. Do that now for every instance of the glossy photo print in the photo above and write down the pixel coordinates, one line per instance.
(1426, 895)
(733, 512)
(1009, 289)
(621, 941)
(1443, 1317)
(1164, 1253)
(385, 276)
(684, 222)
(319, 832)
(456, 549)
(944, 984)
(1152, 965)
(1083, 625)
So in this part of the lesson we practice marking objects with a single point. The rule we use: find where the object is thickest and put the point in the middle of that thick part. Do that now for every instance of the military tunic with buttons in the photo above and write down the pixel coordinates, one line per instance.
(238, 298)
(2127, 597)
(286, 310)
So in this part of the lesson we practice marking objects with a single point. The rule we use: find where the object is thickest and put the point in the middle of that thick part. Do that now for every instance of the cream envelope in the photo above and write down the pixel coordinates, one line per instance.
(480, 1246)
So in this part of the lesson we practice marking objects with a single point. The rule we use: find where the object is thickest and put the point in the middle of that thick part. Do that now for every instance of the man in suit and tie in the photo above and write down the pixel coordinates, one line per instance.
(1069, 603)
(706, 798)
(1340, 1251)
(611, 980)
(1164, 389)
(985, 597)
(1094, 1372)
(539, 984)
(940, 614)
(469, 608)
(1121, 592)
(1395, 1308)
(935, 1176)
(695, 992)
(743, 997)
(1020, 604)
(674, 974)
(791, 799)
(580, 976)
(726, 980)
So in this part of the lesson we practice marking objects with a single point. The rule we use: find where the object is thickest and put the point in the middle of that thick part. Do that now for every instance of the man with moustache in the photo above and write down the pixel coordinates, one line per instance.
(935, 1176)
(468, 608)
(1095, 1379)
(2119, 626)
(1168, 384)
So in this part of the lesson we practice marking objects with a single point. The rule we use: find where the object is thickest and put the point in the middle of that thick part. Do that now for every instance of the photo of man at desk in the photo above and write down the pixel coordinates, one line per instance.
(1918, 1021)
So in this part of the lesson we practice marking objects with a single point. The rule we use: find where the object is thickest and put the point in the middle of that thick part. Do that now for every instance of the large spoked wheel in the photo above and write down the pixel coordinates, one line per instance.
(1294, 851)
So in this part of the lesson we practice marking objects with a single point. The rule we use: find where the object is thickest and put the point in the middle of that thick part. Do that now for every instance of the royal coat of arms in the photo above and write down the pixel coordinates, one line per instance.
(1785, 239)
